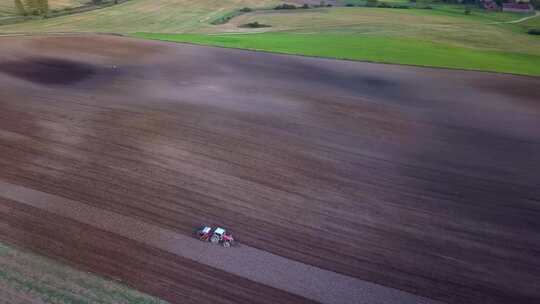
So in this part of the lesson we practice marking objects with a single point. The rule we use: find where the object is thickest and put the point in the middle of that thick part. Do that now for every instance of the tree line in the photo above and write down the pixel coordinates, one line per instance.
(41, 7)
(32, 7)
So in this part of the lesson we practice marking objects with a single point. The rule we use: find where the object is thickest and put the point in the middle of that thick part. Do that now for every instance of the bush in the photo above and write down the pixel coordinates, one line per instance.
(305, 6)
(227, 17)
(424, 4)
(254, 24)
(534, 31)
(467, 11)
(285, 6)
(372, 3)
(246, 10)
(349, 5)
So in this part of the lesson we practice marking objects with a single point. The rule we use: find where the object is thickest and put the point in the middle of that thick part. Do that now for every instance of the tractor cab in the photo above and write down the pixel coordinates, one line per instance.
(219, 231)
(217, 236)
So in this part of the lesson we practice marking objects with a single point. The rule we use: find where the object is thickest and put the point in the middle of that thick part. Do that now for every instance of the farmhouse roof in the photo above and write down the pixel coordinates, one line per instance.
(521, 6)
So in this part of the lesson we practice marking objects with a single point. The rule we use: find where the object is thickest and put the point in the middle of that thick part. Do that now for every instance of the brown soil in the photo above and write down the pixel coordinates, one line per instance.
(419, 179)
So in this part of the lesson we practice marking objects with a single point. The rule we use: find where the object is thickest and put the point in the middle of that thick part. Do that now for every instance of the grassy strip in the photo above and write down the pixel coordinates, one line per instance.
(40, 278)
(368, 48)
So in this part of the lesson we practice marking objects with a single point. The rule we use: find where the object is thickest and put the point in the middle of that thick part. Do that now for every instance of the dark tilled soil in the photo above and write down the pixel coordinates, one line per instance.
(48, 70)
(171, 277)
(419, 179)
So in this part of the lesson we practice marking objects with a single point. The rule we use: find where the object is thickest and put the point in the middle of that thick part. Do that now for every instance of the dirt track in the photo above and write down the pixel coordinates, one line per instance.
(419, 179)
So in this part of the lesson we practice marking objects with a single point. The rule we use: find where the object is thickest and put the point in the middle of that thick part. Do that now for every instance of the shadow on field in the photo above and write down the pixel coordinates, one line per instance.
(48, 71)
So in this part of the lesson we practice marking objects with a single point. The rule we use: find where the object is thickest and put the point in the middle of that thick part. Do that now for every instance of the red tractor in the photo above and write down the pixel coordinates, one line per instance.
(215, 236)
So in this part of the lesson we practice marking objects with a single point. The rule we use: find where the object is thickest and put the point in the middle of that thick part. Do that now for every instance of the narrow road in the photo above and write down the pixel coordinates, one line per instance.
(536, 14)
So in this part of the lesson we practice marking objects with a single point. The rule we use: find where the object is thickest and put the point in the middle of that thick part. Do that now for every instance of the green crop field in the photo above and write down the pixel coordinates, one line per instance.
(140, 15)
(28, 278)
(443, 36)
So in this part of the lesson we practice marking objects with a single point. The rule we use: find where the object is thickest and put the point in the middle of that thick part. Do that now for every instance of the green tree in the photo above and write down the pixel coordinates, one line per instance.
(44, 6)
(37, 7)
(371, 3)
(423, 3)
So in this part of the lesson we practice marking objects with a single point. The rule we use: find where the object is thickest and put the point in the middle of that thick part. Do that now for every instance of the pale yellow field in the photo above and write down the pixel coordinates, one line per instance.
(170, 16)
(7, 7)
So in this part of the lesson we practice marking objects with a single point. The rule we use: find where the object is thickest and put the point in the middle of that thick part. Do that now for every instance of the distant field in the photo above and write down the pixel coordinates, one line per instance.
(445, 25)
(7, 7)
(531, 23)
(140, 15)
(441, 37)
(28, 278)
(363, 2)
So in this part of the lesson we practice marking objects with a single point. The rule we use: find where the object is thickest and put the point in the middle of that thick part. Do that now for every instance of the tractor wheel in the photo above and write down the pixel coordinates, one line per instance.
(226, 244)
(214, 239)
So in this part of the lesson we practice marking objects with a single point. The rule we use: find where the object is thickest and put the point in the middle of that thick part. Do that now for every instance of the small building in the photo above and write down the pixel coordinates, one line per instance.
(517, 7)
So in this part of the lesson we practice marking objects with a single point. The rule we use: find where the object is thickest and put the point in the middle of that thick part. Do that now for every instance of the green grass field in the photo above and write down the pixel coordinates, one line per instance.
(25, 276)
(440, 37)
